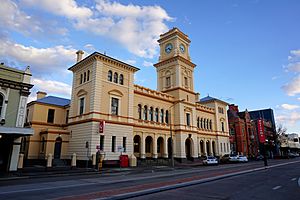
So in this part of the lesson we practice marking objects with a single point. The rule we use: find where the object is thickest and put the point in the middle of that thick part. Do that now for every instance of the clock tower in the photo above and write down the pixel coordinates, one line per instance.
(175, 71)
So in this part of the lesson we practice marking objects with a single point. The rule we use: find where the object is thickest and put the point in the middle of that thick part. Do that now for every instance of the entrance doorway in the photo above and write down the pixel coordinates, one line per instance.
(57, 148)
(188, 149)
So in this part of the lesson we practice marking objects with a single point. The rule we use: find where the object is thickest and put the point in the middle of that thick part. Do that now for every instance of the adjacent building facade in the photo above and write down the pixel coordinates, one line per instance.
(108, 112)
(14, 90)
(244, 128)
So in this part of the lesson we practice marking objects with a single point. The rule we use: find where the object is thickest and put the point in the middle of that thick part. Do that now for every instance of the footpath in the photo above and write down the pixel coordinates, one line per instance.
(43, 172)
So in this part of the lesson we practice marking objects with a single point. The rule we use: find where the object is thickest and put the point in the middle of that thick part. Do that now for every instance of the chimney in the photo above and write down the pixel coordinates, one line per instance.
(79, 55)
(197, 96)
(40, 95)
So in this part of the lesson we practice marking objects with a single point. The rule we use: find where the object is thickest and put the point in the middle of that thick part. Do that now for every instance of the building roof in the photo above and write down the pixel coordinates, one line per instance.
(107, 57)
(57, 101)
(209, 99)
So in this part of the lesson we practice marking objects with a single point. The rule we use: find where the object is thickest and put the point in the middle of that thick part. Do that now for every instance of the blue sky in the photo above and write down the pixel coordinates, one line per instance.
(247, 51)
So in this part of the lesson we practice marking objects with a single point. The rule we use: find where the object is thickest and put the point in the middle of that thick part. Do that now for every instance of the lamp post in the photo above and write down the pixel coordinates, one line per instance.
(172, 157)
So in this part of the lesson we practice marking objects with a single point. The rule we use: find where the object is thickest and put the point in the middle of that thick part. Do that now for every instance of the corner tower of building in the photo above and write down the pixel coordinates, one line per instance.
(175, 71)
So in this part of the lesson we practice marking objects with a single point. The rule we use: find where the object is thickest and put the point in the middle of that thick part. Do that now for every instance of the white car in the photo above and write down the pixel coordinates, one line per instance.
(233, 158)
(242, 159)
(210, 160)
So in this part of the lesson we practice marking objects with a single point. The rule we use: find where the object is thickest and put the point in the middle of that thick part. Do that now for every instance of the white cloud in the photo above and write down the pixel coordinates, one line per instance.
(289, 106)
(130, 62)
(135, 27)
(292, 88)
(52, 87)
(147, 64)
(293, 67)
(288, 118)
(41, 60)
(13, 18)
(67, 8)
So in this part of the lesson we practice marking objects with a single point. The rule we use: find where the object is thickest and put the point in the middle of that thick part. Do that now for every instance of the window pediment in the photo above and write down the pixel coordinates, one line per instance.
(81, 92)
(116, 93)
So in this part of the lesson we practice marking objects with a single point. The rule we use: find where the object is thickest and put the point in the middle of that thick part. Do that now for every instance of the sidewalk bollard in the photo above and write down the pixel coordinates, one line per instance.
(49, 160)
(94, 160)
(21, 160)
(73, 164)
(132, 161)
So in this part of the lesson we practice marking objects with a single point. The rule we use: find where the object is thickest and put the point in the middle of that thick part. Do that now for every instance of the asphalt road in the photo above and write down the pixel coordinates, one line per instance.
(280, 183)
(279, 179)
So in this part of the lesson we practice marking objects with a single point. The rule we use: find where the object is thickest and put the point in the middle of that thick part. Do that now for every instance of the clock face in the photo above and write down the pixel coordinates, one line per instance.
(182, 48)
(168, 48)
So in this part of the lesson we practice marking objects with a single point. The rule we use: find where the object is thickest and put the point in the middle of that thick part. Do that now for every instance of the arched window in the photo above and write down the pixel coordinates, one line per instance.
(109, 76)
(156, 114)
(121, 79)
(151, 114)
(186, 82)
(210, 124)
(207, 124)
(145, 112)
(43, 144)
(162, 115)
(198, 122)
(204, 123)
(115, 77)
(81, 78)
(84, 77)
(201, 123)
(223, 128)
(167, 117)
(88, 75)
(140, 111)
(1, 103)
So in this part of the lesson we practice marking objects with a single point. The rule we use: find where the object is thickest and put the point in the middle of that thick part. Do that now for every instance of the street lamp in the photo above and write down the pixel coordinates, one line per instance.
(172, 157)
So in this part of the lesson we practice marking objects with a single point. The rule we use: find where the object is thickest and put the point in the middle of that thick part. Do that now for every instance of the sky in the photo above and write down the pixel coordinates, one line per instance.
(247, 52)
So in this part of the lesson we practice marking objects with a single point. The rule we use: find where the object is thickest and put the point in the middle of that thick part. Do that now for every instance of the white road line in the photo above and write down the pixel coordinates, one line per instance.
(299, 182)
(277, 187)
(47, 188)
(293, 179)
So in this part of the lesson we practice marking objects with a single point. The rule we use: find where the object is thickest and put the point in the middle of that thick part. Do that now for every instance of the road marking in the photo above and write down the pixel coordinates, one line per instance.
(293, 179)
(277, 187)
(299, 182)
(47, 188)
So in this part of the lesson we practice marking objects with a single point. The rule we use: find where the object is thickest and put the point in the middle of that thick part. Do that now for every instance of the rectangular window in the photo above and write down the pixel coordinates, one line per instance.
(27, 113)
(114, 106)
(168, 81)
(50, 118)
(113, 144)
(81, 106)
(101, 142)
(221, 110)
(124, 144)
(188, 119)
(67, 116)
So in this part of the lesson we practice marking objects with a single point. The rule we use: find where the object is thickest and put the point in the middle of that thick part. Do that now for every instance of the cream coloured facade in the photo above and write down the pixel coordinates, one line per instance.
(137, 119)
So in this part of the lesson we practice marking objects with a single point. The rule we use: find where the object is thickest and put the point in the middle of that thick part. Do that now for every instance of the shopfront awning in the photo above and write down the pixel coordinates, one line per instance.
(16, 131)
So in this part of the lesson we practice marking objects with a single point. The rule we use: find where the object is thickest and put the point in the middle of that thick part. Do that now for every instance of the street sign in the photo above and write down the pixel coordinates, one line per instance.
(120, 149)
(101, 126)
(260, 130)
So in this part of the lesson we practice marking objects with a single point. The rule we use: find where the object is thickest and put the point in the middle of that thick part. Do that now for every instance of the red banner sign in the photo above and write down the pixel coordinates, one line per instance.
(260, 130)
(101, 126)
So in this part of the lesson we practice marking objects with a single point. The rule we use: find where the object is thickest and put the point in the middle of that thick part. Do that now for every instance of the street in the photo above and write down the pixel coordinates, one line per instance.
(279, 181)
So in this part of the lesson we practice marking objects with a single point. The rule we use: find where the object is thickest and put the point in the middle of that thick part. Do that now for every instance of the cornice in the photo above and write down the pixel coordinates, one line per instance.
(173, 59)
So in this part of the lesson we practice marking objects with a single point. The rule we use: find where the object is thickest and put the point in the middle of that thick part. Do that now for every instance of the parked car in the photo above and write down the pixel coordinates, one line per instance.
(259, 157)
(242, 159)
(228, 158)
(233, 158)
(210, 160)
